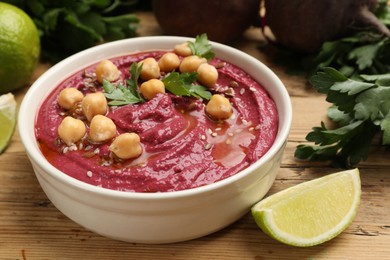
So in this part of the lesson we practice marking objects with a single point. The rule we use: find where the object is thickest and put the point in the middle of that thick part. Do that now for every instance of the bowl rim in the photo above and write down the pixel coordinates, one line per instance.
(36, 155)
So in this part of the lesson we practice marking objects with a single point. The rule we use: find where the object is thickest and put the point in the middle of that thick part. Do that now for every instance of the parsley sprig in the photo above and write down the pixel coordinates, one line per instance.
(181, 84)
(361, 107)
(201, 47)
(365, 52)
(124, 94)
(358, 87)
(67, 27)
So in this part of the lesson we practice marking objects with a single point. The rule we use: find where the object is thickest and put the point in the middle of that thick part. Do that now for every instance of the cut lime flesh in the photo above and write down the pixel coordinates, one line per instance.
(7, 119)
(312, 212)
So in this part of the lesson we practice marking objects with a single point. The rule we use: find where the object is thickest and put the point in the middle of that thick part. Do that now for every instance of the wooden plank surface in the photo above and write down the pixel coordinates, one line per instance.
(32, 228)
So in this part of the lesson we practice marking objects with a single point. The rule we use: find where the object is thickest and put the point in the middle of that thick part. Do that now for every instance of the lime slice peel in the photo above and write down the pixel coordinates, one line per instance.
(7, 119)
(312, 212)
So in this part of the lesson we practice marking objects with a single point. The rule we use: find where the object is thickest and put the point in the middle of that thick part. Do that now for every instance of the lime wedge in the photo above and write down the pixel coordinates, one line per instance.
(7, 119)
(312, 212)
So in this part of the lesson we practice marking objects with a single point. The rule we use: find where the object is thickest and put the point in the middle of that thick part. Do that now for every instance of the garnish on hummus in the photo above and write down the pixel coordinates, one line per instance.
(157, 121)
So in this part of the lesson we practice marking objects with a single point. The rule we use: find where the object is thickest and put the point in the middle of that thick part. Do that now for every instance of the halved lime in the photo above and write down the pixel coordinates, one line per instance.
(312, 212)
(7, 119)
(19, 47)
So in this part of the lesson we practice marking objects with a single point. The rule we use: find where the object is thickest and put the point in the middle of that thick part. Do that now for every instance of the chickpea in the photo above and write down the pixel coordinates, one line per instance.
(191, 63)
(126, 146)
(94, 104)
(101, 129)
(207, 74)
(183, 49)
(219, 107)
(107, 70)
(150, 69)
(69, 97)
(169, 62)
(71, 130)
(149, 89)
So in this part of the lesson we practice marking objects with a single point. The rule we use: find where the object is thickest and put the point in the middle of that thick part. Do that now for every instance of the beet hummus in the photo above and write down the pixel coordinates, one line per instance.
(182, 147)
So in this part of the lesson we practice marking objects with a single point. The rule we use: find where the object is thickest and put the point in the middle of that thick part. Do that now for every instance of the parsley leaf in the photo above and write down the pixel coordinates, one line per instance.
(363, 53)
(67, 27)
(201, 47)
(120, 94)
(354, 73)
(135, 72)
(361, 107)
(181, 84)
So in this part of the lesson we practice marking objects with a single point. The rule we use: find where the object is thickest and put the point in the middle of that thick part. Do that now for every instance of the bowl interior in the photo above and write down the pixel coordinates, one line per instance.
(55, 75)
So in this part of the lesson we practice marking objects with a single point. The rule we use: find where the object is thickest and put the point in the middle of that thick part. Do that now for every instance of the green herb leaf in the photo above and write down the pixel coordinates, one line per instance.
(373, 104)
(181, 84)
(365, 55)
(120, 94)
(201, 47)
(200, 92)
(70, 26)
(365, 52)
(345, 146)
(338, 116)
(322, 81)
(361, 107)
(135, 71)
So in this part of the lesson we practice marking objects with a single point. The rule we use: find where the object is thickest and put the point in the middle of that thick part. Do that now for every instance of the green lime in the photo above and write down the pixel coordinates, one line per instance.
(19, 47)
(7, 119)
(312, 212)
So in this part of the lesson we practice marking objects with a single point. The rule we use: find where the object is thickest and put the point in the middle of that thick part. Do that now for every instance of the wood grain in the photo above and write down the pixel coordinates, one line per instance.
(32, 228)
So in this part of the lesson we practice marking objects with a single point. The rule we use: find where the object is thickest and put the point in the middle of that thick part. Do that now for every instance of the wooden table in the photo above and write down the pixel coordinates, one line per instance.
(32, 228)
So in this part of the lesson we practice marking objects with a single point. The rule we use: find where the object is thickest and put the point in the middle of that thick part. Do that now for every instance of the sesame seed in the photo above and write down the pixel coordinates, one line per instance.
(89, 174)
(242, 91)
(106, 163)
(230, 92)
(65, 150)
(230, 134)
(252, 89)
(142, 164)
(244, 122)
(257, 127)
(218, 129)
(209, 131)
(208, 146)
(203, 137)
(220, 65)
(96, 151)
(88, 147)
(251, 128)
(228, 141)
(214, 134)
(73, 147)
(233, 84)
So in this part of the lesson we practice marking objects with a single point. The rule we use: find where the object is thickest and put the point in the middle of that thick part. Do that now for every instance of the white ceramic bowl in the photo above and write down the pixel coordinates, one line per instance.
(154, 217)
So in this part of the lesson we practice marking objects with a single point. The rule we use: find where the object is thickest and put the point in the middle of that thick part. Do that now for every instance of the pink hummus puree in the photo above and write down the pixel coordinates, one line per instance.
(182, 147)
